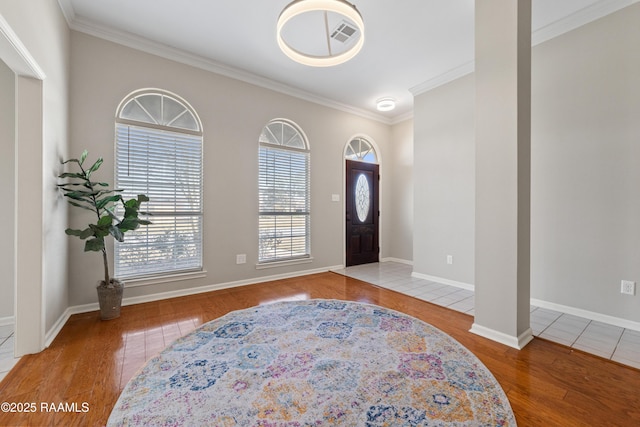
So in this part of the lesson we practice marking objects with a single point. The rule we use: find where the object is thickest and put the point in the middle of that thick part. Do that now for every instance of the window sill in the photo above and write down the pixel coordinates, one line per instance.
(166, 278)
(274, 264)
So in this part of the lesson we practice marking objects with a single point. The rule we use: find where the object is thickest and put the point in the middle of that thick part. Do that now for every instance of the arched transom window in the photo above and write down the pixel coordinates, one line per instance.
(159, 154)
(284, 194)
(361, 150)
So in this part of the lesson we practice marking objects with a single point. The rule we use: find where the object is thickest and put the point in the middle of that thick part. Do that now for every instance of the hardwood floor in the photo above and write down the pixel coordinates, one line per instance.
(91, 361)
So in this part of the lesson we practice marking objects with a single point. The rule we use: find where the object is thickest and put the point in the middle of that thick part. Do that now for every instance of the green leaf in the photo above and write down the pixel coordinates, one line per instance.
(105, 221)
(95, 166)
(100, 231)
(110, 212)
(83, 234)
(72, 175)
(142, 198)
(94, 245)
(130, 213)
(129, 224)
(64, 162)
(116, 233)
(79, 194)
(101, 203)
(83, 157)
(131, 203)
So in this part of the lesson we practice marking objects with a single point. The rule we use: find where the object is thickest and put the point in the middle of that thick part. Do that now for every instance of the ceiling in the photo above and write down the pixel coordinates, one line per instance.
(410, 45)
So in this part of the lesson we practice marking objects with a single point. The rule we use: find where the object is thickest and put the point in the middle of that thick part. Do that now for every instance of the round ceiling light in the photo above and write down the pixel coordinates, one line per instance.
(320, 33)
(385, 104)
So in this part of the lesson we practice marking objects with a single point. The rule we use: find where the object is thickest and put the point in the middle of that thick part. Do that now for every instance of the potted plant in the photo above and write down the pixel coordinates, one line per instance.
(81, 191)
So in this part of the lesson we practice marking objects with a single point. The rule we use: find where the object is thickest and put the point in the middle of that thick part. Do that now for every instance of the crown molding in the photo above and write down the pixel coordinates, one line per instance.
(541, 35)
(555, 29)
(578, 19)
(148, 46)
(67, 11)
(401, 118)
(443, 78)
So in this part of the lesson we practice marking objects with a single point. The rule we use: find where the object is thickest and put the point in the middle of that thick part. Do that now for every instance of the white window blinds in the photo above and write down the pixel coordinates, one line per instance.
(167, 167)
(283, 183)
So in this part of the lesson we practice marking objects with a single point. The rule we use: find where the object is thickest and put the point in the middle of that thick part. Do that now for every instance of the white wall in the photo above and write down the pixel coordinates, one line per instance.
(42, 28)
(7, 190)
(585, 215)
(233, 114)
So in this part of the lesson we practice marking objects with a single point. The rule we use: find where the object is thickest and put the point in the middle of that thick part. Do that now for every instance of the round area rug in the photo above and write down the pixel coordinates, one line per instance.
(314, 363)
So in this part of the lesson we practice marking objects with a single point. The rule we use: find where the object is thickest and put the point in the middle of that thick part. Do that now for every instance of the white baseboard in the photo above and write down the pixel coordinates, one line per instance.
(57, 327)
(398, 260)
(7, 321)
(444, 281)
(591, 315)
(86, 308)
(515, 342)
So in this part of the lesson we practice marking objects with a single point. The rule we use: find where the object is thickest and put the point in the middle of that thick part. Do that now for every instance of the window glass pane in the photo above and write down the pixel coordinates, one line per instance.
(133, 111)
(283, 183)
(165, 165)
(283, 133)
(170, 244)
(362, 197)
(152, 104)
(361, 150)
(185, 121)
(171, 109)
(159, 109)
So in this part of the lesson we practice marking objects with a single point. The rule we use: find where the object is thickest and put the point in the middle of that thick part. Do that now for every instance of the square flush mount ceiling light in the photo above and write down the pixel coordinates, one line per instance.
(320, 33)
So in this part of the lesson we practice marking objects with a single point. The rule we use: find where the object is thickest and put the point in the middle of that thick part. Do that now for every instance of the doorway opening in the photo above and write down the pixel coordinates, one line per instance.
(7, 216)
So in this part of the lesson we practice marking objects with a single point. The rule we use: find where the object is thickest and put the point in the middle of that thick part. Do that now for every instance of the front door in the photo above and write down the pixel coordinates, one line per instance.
(362, 212)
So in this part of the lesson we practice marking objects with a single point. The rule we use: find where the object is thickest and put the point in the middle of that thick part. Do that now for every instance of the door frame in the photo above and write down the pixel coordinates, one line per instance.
(344, 195)
(29, 307)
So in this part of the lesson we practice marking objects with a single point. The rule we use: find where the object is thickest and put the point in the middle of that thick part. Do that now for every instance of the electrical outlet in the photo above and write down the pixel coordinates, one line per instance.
(449, 259)
(241, 258)
(628, 287)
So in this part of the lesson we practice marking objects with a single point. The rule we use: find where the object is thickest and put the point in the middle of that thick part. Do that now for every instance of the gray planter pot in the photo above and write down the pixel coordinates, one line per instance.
(110, 299)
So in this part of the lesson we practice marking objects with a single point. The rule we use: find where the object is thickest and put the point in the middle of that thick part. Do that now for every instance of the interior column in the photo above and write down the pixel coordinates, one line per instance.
(503, 170)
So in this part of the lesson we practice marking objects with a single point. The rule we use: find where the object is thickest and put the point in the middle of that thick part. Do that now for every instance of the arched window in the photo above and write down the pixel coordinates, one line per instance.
(159, 154)
(283, 188)
(361, 150)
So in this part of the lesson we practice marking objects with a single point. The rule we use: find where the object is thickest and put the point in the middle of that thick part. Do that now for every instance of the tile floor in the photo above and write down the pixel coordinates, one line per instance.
(7, 361)
(608, 341)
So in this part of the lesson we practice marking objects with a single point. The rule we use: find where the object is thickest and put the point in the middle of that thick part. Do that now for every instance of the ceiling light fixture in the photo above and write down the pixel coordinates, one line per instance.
(320, 33)
(385, 104)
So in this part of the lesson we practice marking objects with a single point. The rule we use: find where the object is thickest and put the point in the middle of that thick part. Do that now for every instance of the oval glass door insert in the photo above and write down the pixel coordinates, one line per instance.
(362, 198)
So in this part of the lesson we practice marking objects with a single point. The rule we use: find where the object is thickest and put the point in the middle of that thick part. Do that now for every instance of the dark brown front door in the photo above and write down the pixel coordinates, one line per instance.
(362, 212)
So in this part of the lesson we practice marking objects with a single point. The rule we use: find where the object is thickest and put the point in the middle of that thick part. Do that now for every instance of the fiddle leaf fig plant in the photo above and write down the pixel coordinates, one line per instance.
(83, 192)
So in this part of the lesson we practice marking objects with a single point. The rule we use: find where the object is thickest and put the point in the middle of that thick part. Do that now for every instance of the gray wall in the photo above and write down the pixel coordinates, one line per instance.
(399, 218)
(233, 114)
(7, 190)
(45, 34)
(585, 215)
(586, 166)
(444, 193)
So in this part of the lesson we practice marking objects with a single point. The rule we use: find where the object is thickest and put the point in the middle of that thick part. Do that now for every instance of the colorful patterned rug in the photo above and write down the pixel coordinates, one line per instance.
(314, 363)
